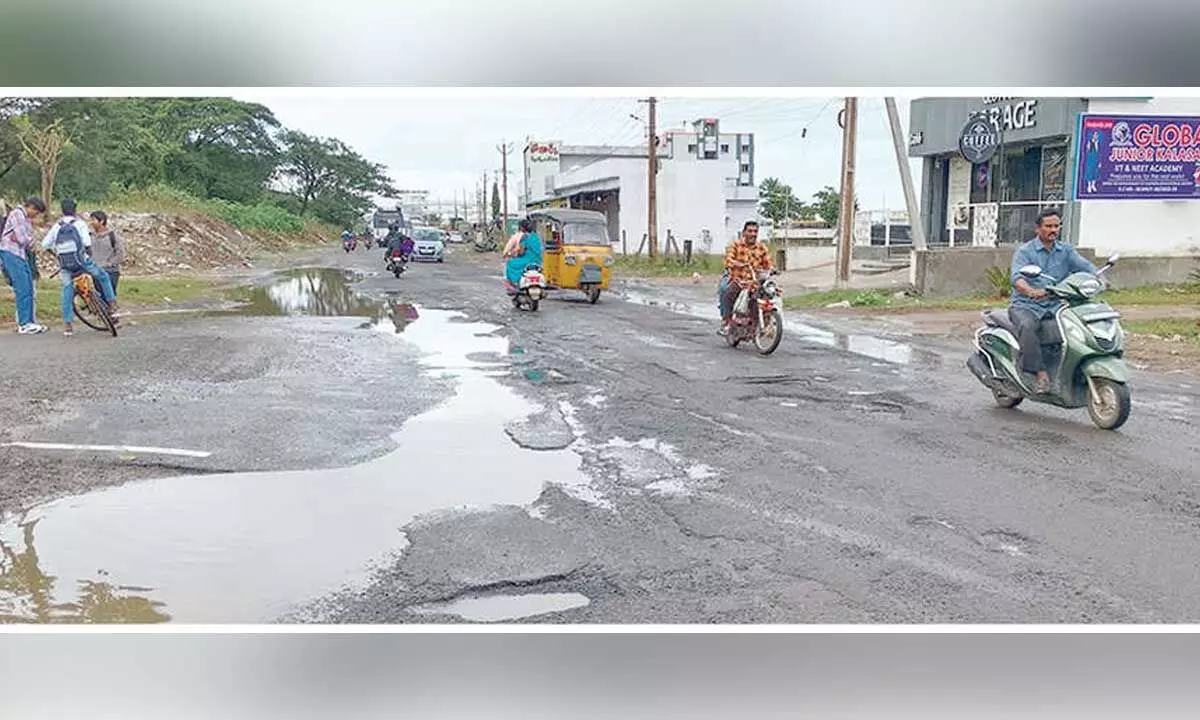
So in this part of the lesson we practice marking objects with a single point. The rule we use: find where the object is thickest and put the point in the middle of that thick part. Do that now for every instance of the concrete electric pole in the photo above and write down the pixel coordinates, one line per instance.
(652, 183)
(849, 124)
(916, 225)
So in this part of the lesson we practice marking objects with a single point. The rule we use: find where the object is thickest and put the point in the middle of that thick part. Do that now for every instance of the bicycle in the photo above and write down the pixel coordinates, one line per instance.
(90, 306)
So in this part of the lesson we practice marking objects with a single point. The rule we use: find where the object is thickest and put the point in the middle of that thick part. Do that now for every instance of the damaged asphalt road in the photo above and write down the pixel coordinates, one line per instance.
(607, 463)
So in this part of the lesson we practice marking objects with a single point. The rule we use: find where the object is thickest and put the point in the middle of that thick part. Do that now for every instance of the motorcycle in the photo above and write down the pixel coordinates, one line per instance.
(348, 244)
(367, 241)
(756, 315)
(530, 291)
(1083, 345)
(397, 263)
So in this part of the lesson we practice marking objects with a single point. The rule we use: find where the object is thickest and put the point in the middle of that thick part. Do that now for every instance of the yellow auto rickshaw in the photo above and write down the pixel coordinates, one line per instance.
(578, 252)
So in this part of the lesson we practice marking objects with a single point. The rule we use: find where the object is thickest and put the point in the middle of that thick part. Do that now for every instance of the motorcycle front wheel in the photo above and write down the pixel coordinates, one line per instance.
(1112, 409)
(768, 337)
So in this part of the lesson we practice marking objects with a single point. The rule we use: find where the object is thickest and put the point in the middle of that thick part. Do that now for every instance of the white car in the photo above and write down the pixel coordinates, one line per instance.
(428, 244)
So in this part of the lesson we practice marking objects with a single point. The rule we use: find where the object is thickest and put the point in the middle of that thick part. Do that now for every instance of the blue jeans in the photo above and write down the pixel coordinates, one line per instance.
(68, 288)
(722, 303)
(21, 277)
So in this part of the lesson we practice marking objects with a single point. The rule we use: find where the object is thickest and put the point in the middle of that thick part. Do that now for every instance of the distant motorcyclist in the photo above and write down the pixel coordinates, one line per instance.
(523, 250)
(397, 241)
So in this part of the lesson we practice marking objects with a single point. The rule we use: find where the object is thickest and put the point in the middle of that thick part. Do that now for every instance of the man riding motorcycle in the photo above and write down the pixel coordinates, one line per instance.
(1030, 305)
(395, 240)
(744, 259)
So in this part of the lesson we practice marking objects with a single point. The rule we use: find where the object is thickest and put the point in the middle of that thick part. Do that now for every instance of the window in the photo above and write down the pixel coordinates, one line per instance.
(724, 149)
(745, 149)
(745, 167)
(692, 148)
(587, 233)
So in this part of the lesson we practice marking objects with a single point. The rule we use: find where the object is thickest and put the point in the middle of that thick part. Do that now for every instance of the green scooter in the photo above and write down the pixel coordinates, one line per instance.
(1085, 371)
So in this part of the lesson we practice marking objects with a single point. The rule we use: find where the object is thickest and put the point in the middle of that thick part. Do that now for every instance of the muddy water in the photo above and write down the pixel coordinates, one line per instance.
(248, 547)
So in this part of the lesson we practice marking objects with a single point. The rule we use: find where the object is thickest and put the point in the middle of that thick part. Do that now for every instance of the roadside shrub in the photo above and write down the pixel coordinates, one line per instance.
(871, 298)
(1000, 279)
(262, 216)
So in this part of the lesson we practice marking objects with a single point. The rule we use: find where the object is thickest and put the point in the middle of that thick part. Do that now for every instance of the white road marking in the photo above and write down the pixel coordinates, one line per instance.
(131, 449)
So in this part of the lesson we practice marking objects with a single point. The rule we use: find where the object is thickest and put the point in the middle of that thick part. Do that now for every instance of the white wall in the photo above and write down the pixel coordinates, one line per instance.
(691, 199)
(631, 173)
(1137, 227)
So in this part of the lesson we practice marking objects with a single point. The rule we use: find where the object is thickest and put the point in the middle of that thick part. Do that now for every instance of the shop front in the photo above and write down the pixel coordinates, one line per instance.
(992, 164)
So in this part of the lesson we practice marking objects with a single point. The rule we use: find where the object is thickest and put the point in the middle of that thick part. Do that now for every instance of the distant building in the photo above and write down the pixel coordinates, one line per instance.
(706, 188)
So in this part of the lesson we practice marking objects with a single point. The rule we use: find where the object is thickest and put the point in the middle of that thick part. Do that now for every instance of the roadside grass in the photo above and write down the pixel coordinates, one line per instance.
(1186, 328)
(668, 265)
(133, 293)
(885, 301)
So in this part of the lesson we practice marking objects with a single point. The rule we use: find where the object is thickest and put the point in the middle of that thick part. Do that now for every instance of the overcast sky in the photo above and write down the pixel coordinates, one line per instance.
(443, 144)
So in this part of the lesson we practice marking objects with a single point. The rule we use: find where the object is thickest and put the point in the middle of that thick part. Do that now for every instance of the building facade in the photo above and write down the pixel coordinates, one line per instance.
(705, 185)
(984, 183)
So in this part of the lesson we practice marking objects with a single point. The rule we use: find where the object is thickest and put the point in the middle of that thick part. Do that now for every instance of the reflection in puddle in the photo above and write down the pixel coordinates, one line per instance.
(865, 345)
(307, 291)
(29, 595)
(498, 608)
(248, 547)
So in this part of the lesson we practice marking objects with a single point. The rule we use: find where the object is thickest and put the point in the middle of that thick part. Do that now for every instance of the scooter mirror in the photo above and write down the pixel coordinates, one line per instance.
(1030, 271)
(1112, 259)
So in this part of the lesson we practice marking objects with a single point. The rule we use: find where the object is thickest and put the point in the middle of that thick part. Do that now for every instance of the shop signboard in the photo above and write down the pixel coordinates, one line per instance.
(978, 140)
(1137, 157)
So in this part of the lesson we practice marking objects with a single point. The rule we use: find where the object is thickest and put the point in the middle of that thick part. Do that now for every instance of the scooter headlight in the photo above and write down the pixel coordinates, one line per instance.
(1089, 288)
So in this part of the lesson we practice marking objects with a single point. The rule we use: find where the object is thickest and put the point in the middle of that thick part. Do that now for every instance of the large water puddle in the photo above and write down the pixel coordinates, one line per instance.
(249, 547)
(868, 346)
(320, 291)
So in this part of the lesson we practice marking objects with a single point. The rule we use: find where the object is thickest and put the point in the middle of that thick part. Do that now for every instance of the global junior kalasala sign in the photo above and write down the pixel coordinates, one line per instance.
(1137, 157)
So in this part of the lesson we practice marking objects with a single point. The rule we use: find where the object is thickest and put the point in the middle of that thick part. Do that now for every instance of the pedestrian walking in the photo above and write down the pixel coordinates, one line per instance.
(16, 240)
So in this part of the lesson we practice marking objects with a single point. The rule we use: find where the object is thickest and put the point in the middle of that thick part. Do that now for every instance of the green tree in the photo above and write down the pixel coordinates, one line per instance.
(495, 201)
(329, 179)
(224, 148)
(778, 202)
(827, 203)
(11, 150)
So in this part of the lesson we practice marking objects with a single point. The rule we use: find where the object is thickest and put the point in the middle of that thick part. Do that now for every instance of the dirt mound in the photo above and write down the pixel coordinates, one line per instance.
(165, 244)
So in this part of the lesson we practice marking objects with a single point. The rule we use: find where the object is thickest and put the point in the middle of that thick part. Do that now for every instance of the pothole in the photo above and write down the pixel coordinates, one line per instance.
(1006, 542)
(247, 547)
(500, 608)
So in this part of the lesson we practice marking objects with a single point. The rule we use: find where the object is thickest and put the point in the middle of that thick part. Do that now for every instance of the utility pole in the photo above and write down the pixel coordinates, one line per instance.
(846, 216)
(505, 149)
(652, 182)
(916, 224)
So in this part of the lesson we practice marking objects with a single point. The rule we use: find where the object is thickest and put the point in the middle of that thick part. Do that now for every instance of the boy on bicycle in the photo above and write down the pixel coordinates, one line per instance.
(71, 243)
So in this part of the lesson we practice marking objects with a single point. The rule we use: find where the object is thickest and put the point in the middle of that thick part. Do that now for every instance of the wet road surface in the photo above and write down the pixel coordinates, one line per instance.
(372, 449)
